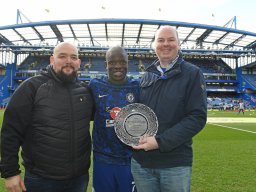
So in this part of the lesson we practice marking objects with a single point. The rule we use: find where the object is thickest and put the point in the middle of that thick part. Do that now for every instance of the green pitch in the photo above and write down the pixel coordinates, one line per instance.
(224, 154)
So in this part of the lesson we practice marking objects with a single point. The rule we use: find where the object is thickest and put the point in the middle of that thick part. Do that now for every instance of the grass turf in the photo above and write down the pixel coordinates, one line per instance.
(224, 158)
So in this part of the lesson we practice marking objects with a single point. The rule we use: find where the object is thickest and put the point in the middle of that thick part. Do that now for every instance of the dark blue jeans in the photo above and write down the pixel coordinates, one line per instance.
(35, 183)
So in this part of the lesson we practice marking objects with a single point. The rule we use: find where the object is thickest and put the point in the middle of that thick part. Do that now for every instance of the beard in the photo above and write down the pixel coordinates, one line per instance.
(66, 78)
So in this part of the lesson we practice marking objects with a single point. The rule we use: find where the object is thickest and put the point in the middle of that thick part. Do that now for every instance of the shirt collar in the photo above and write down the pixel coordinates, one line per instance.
(169, 67)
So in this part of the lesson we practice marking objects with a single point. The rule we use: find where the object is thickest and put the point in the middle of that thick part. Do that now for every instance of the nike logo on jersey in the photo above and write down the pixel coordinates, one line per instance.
(100, 96)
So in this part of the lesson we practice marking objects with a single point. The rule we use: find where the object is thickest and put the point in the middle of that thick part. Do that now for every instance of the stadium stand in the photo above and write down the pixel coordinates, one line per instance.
(229, 70)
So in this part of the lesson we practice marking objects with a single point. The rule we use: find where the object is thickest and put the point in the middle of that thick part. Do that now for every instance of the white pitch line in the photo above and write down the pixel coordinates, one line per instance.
(230, 120)
(233, 128)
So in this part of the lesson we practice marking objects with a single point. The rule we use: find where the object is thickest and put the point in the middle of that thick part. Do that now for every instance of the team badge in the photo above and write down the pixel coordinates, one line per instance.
(130, 97)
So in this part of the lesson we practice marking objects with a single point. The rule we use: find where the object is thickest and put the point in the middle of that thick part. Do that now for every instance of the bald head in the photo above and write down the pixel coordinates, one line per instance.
(64, 45)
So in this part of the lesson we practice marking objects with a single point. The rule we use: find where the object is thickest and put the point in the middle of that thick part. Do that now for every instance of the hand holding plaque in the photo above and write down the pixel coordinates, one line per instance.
(134, 121)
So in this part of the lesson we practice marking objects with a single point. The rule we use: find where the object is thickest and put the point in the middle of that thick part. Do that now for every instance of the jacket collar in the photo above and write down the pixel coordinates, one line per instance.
(171, 71)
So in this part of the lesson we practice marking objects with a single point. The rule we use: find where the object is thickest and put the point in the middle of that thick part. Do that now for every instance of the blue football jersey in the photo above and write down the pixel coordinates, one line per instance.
(109, 99)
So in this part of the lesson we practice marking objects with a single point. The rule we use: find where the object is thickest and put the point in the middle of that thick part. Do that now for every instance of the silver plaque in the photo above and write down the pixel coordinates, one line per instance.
(134, 121)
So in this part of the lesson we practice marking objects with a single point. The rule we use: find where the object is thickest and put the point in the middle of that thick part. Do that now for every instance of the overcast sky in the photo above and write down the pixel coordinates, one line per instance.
(212, 12)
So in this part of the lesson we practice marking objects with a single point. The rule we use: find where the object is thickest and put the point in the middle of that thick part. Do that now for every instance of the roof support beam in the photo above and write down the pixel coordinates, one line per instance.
(90, 33)
(38, 34)
(200, 40)
(234, 42)
(252, 45)
(106, 31)
(73, 33)
(191, 32)
(153, 39)
(23, 38)
(222, 37)
(57, 33)
(4, 40)
(139, 32)
(122, 43)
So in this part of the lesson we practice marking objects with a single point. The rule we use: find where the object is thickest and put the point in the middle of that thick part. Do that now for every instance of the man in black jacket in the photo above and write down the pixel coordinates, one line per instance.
(175, 90)
(48, 116)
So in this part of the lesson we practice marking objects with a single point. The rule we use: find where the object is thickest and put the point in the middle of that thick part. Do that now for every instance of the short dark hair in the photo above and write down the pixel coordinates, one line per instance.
(114, 49)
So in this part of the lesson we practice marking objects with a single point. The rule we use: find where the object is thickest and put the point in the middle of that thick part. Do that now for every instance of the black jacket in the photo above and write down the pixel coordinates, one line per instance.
(178, 97)
(50, 120)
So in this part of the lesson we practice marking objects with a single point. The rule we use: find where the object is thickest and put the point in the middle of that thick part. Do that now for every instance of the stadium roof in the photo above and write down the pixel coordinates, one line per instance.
(130, 33)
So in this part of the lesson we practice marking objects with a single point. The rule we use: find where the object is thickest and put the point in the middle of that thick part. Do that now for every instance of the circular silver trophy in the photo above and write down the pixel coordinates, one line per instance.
(134, 121)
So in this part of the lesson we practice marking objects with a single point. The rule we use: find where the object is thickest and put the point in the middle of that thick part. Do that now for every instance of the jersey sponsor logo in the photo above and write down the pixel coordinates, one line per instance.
(100, 96)
(130, 97)
(114, 111)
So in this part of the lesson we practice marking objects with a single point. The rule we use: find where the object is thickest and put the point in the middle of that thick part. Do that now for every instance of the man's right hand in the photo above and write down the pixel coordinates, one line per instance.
(15, 184)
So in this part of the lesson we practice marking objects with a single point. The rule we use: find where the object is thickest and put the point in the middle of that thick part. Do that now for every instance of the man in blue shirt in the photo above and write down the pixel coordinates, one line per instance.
(111, 157)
